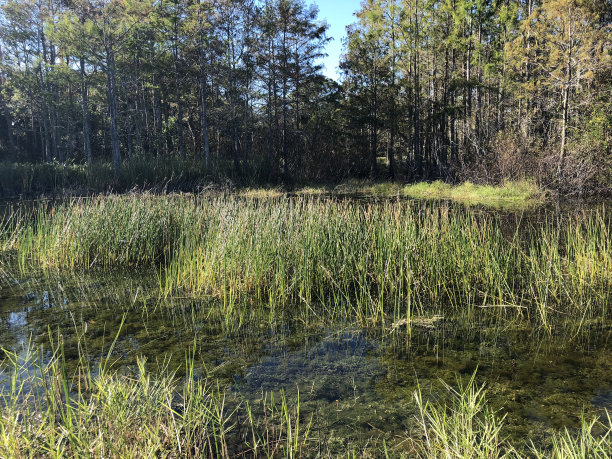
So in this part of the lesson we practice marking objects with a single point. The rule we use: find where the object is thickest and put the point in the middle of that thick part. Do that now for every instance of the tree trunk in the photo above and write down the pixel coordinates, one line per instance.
(179, 107)
(85, 107)
(157, 119)
(112, 108)
(563, 129)
(203, 108)
(566, 103)
(418, 156)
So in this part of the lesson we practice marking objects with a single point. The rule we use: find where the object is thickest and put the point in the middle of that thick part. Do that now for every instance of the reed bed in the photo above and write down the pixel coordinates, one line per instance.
(321, 258)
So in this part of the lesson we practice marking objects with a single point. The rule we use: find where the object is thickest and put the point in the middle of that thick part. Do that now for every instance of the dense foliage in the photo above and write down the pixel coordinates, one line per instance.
(451, 89)
(313, 257)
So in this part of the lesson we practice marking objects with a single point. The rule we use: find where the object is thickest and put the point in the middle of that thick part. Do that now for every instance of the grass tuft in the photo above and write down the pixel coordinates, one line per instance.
(511, 194)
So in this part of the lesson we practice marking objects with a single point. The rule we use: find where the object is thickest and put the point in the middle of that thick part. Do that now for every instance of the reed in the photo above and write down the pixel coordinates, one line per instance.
(48, 412)
(171, 173)
(593, 439)
(464, 426)
(320, 258)
(278, 430)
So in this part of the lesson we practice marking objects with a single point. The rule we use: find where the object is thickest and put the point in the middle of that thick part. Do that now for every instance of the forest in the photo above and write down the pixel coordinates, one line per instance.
(209, 248)
(481, 90)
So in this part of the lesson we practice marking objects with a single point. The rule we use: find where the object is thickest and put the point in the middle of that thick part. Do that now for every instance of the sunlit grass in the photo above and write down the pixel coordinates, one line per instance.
(261, 193)
(464, 426)
(594, 439)
(49, 411)
(313, 191)
(519, 194)
(313, 258)
(511, 194)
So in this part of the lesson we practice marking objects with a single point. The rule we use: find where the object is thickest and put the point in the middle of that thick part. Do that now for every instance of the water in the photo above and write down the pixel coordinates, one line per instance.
(355, 382)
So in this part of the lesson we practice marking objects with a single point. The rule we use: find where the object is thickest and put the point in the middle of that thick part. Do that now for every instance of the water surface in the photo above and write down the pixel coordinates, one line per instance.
(356, 382)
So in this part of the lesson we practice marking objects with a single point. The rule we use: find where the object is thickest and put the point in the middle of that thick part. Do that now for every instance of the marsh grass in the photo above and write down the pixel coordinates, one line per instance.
(463, 428)
(278, 430)
(334, 260)
(167, 174)
(261, 193)
(462, 425)
(509, 195)
(47, 412)
(593, 440)
(188, 174)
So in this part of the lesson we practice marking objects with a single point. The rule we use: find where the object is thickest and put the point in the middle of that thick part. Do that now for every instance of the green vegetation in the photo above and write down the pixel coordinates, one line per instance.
(466, 427)
(167, 174)
(254, 260)
(593, 440)
(311, 258)
(184, 175)
(50, 412)
(487, 91)
(512, 194)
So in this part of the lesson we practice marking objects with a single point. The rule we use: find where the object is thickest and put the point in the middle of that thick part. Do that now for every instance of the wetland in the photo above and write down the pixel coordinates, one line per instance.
(310, 326)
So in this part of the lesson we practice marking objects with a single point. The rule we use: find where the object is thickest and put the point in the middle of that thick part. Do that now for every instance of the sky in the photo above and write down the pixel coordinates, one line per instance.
(339, 14)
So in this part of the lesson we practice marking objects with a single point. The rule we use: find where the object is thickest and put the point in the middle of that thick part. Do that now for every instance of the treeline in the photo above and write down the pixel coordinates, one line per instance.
(490, 89)
(452, 89)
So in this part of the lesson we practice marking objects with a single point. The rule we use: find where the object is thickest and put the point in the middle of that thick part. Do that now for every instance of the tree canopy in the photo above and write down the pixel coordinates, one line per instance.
(453, 89)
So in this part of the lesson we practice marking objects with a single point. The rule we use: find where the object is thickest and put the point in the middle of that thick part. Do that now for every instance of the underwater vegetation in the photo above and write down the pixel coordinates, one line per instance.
(97, 411)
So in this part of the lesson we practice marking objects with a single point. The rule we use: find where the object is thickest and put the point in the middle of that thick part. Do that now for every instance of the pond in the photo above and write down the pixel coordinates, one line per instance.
(355, 382)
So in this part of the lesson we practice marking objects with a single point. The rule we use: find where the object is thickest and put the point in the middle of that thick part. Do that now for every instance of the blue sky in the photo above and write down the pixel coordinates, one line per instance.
(339, 14)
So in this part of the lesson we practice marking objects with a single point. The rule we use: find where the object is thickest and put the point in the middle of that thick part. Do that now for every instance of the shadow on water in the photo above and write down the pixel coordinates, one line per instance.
(357, 383)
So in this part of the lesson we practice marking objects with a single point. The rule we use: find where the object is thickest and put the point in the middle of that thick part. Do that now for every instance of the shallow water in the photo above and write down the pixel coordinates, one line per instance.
(357, 382)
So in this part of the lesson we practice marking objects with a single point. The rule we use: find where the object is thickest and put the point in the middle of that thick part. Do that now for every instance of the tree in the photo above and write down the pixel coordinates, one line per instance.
(567, 47)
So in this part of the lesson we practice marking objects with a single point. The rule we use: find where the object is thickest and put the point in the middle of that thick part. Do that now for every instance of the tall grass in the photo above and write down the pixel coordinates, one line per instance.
(278, 430)
(464, 426)
(593, 440)
(171, 173)
(47, 412)
(328, 259)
